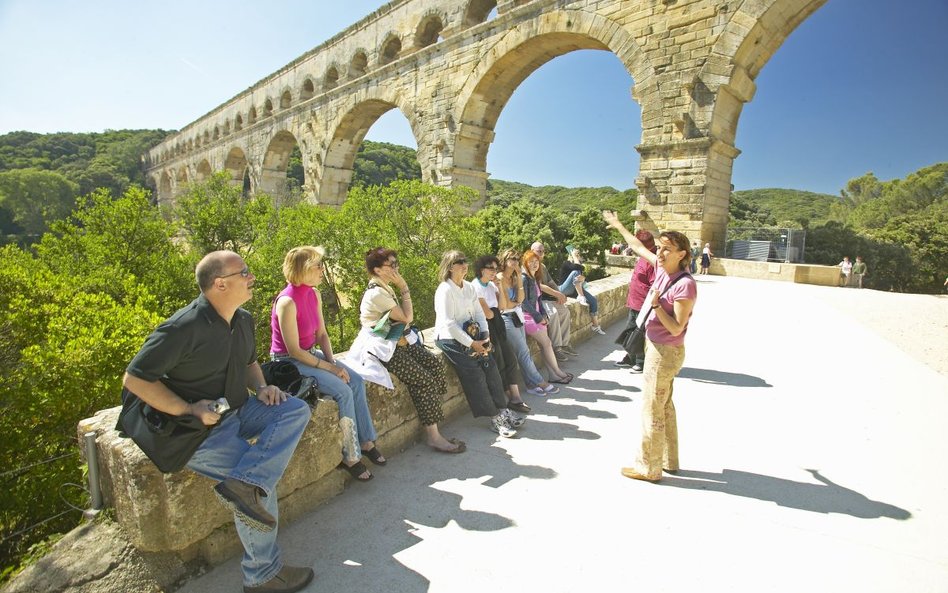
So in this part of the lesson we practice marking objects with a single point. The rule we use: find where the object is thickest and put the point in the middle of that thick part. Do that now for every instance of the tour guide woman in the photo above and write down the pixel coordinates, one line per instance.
(665, 329)
(297, 328)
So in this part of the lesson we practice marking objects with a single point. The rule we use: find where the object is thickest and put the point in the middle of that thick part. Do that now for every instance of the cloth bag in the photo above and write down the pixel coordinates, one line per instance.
(169, 441)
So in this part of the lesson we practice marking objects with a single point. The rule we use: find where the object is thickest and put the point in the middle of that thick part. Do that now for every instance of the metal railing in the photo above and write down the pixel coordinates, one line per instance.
(765, 244)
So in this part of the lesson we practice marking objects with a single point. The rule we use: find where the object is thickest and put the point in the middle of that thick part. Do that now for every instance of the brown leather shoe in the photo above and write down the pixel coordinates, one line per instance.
(630, 472)
(244, 500)
(289, 580)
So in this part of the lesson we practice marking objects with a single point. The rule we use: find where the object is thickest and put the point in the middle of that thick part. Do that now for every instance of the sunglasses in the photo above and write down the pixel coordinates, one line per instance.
(494, 268)
(243, 273)
(460, 262)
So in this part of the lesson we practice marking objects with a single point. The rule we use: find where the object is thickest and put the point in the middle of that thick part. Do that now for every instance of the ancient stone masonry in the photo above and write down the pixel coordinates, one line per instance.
(450, 69)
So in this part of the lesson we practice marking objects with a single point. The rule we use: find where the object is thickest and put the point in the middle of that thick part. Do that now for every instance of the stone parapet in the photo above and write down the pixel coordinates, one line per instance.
(178, 512)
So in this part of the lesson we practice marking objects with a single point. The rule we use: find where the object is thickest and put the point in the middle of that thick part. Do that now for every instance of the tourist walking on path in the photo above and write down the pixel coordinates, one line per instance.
(706, 256)
(297, 327)
(205, 351)
(845, 269)
(859, 271)
(671, 300)
(574, 284)
(462, 334)
(695, 253)
(510, 299)
(401, 353)
(643, 275)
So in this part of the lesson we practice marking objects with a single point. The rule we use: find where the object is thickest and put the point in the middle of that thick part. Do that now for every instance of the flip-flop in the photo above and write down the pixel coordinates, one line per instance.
(357, 470)
(374, 456)
(569, 377)
(460, 447)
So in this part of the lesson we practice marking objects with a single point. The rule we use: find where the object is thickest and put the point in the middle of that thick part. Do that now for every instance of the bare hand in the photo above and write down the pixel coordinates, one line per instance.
(481, 346)
(203, 409)
(271, 395)
(339, 372)
(611, 219)
(561, 298)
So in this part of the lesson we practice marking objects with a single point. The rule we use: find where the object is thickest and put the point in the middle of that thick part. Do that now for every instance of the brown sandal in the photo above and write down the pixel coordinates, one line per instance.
(357, 470)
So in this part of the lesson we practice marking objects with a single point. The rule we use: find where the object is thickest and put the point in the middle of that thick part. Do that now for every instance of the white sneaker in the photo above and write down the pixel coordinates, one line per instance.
(513, 421)
(499, 425)
(598, 330)
(581, 299)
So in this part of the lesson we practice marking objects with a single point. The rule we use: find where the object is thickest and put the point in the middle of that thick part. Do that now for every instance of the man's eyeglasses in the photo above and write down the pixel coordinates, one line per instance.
(243, 273)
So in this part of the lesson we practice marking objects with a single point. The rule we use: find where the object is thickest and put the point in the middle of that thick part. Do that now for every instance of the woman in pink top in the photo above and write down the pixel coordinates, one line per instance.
(297, 328)
(665, 329)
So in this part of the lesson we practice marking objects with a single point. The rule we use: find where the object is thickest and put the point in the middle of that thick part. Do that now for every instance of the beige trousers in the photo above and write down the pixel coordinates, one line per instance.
(659, 424)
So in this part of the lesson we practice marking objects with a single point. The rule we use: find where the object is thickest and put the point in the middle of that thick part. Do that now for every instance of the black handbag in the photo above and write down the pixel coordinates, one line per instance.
(287, 377)
(169, 441)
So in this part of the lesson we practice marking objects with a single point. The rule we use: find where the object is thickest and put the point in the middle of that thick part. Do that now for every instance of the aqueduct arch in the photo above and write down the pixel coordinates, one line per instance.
(450, 69)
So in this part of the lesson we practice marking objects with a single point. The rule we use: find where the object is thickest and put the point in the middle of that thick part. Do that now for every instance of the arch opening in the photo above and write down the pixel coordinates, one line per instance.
(274, 178)
(331, 79)
(390, 49)
(308, 90)
(285, 100)
(429, 31)
(479, 11)
(358, 66)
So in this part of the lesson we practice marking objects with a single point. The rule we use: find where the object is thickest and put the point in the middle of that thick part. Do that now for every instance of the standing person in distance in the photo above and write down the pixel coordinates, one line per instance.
(706, 256)
(665, 331)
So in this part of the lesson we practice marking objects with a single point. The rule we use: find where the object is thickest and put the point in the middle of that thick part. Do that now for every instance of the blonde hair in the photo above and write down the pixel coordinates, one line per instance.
(504, 257)
(447, 260)
(299, 260)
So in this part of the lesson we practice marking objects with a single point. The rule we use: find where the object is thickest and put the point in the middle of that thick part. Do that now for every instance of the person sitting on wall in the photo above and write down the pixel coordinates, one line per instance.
(204, 351)
(554, 305)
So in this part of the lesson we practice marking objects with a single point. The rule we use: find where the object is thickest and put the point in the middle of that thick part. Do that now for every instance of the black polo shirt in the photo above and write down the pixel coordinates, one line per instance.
(198, 355)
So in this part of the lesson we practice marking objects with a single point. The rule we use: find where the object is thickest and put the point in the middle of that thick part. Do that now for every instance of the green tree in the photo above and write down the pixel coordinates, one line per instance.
(34, 197)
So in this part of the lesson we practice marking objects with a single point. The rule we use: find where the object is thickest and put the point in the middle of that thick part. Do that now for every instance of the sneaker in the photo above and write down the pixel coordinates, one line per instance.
(636, 368)
(581, 299)
(560, 355)
(499, 425)
(537, 391)
(513, 421)
(598, 330)
(289, 580)
(244, 500)
(625, 362)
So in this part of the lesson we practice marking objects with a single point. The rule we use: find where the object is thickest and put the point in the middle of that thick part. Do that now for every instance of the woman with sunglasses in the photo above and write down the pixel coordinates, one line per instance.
(485, 272)
(536, 321)
(297, 328)
(509, 298)
(462, 334)
(672, 299)
(400, 353)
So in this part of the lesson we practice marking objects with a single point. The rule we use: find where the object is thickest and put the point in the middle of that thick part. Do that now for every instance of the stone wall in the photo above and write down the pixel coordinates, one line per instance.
(178, 512)
(742, 268)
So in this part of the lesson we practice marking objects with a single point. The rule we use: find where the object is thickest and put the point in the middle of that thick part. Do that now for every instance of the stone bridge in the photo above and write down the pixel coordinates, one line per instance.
(450, 66)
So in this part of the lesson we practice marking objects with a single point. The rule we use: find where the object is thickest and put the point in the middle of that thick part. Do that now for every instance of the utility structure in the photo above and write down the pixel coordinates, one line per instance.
(450, 66)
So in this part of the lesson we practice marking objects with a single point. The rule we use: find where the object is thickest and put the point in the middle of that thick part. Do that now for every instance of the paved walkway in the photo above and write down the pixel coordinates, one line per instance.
(814, 456)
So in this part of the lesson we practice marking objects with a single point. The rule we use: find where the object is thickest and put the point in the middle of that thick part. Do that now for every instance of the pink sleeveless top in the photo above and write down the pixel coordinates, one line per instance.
(308, 321)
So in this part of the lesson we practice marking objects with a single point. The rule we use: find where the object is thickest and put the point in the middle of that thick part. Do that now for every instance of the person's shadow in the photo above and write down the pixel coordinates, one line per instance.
(826, 497)
(722, 377)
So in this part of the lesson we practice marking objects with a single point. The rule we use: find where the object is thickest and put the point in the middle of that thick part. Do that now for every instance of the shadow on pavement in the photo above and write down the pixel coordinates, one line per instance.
(826, 497)
(722, 377)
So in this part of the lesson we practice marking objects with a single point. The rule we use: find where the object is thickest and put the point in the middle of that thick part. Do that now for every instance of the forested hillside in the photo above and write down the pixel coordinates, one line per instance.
(791, 208)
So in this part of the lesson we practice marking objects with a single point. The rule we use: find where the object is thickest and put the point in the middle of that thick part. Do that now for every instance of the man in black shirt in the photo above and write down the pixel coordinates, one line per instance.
(206, 351)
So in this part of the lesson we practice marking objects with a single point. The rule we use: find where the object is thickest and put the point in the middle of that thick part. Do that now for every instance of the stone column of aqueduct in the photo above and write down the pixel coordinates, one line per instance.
(450, 70)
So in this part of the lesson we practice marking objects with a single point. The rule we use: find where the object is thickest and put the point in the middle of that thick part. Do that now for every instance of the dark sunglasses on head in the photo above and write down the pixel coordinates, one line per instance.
(460, 261)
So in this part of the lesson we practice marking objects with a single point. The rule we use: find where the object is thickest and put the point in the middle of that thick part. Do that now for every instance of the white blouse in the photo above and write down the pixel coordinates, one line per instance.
(454, 306)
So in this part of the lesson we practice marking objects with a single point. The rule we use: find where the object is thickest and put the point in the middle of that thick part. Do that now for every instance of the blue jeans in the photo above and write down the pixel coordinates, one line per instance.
(517, 337)
(569, 289)
(227, 454)
(355, 419)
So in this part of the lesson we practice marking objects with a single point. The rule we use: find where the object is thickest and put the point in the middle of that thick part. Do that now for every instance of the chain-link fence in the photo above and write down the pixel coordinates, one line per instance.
(765, 244)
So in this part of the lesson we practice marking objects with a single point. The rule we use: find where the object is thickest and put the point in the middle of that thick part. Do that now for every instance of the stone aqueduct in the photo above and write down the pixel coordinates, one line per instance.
(450, 70)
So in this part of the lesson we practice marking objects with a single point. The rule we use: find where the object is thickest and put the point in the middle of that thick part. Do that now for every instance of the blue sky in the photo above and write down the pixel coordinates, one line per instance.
(862, 85)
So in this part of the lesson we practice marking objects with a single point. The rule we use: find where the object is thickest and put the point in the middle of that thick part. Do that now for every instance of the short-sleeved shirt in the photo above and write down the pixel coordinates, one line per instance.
(684, 289)
(198, 355)
(488, 292)
(643, 275)
(378, 300)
